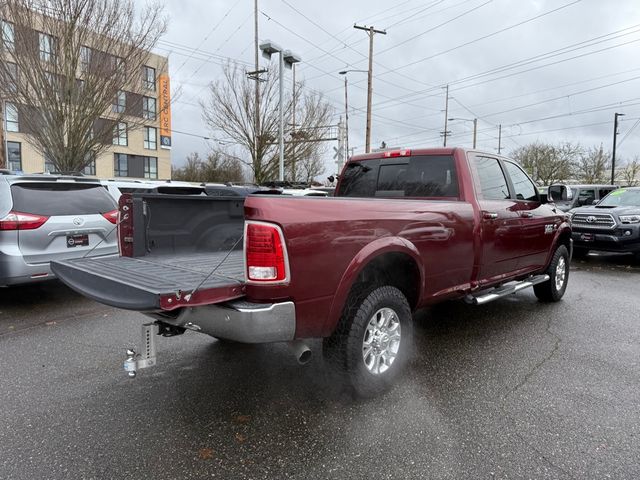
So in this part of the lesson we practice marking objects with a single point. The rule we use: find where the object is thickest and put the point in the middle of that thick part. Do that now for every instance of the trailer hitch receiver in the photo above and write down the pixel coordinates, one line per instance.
(136, 361)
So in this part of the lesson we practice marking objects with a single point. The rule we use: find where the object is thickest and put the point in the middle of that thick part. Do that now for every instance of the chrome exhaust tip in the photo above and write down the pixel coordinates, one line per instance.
(301, 351)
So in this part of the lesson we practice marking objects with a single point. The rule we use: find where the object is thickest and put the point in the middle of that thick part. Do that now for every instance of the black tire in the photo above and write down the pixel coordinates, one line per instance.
(552, 290)
(356, 335)
(580, 253)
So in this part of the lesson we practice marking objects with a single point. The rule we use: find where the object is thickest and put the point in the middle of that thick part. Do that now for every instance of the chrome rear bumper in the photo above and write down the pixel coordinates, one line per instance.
(240, 321)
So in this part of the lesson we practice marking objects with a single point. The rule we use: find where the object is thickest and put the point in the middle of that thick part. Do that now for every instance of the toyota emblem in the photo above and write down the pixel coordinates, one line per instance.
(78, 221)
(591, 219)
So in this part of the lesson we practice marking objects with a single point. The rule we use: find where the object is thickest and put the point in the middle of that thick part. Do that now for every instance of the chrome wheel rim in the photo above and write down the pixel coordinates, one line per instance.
(561, 273)
(381, 341)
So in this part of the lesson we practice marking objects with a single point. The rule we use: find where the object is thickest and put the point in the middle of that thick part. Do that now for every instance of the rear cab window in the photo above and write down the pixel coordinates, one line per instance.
(417, 176)
(60, 198)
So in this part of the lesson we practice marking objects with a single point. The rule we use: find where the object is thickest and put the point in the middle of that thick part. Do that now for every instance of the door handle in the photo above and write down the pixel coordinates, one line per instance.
(526, 215)
(489, 215)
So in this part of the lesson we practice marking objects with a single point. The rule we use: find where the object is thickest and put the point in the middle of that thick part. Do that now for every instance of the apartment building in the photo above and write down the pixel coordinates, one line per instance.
(141, 146)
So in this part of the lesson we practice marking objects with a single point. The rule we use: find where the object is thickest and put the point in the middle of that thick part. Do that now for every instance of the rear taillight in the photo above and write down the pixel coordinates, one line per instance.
(22, 221)
(112, 216)
(265, 253)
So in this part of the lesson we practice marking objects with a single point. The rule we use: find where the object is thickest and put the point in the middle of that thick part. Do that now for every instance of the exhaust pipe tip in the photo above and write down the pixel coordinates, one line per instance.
(301, 351)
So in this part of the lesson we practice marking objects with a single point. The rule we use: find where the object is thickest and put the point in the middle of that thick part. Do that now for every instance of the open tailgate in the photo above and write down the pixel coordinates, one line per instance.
(153, 283)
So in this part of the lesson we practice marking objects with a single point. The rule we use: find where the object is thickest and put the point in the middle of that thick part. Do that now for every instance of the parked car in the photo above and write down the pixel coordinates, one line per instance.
(613, 225)
(406, 229)
(585, 195)
(116, 187)
(49, 217)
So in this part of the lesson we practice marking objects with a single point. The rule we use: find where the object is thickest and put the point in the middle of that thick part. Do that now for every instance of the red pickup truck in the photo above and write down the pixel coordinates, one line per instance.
(405, 229)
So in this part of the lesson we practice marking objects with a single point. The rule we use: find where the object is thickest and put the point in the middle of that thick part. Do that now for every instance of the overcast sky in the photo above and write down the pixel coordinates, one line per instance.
(546, 70)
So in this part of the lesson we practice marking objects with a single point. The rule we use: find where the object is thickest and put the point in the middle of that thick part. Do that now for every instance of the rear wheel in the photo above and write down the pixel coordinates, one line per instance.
(553, 289)
(373, 340)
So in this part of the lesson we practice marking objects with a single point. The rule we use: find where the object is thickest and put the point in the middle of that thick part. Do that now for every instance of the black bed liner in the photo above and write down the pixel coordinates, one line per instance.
(140, 283)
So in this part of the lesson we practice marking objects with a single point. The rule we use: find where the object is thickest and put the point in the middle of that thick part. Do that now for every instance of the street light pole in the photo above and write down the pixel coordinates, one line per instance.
(286, 59)
(346, 118)
(475, 127)
(615, 141)
(346, 106)
(281, 117)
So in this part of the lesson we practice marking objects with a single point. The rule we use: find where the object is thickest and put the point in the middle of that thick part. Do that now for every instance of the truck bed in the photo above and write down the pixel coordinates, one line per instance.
(153, 283)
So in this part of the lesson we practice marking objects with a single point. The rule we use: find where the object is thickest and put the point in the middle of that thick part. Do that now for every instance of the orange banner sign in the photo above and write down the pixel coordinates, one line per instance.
(165, 111)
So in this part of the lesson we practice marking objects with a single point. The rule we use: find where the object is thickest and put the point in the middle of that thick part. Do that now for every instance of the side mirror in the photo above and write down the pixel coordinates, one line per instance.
(559, 193)
(595, 202)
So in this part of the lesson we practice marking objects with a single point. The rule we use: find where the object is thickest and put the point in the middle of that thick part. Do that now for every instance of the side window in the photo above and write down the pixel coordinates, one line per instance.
(492, 180)
(524, 187)
(586, 196)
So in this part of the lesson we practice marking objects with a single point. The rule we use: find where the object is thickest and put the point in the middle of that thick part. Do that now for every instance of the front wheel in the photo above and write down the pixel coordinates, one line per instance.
(553, 289)
(373, 340)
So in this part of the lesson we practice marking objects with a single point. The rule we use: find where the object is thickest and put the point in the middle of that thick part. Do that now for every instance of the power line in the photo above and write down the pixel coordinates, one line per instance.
(629, 132)
(519, 64)
(206, 37)
(424, 32)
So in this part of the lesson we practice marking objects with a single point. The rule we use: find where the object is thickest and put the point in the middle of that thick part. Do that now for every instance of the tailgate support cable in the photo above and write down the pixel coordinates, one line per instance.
(188, 296)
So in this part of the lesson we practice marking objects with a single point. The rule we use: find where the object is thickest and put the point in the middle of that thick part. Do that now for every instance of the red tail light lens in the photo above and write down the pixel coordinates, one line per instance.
(397, 153)
(265, 253)
(112, 216)
(22, 221)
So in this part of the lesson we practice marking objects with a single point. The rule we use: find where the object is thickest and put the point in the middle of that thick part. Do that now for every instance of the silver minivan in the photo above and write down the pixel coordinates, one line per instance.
(50, 217)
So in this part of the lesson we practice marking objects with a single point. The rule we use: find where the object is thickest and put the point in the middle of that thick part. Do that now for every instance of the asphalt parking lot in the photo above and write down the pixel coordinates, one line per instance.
(512, 389)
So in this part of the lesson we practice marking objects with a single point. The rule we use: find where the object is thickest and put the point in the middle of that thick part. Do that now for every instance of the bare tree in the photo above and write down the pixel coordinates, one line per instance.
(229, 112)
(592, 165)
(72, 70)
(630, 172)
(547, 163)
(216, 168)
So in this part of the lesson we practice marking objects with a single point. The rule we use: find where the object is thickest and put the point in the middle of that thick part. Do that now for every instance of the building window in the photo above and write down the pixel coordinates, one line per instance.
(14, 154)
(120, 103)
(49, 166)
(46, 47)
(149, 108)
(149, 78)
(120, 134)
(12, 77)
(150, 138)
(120, 165)
(8, 36)
(117, 65)
(90, 169)
(150, 167)
(85, 58)
(12, 118)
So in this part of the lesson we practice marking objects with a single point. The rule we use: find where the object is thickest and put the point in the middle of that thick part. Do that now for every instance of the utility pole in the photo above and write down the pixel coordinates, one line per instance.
(256, 69)
(499, 138)
(371, 31)
(445, 134)
(615, 141)
(475, 131)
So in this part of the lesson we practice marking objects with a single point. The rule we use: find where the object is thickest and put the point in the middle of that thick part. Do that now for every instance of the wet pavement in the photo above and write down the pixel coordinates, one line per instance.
(512, 389)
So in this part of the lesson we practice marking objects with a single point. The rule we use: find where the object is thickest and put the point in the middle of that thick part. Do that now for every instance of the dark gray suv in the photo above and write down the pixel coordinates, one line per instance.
(49, 217)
